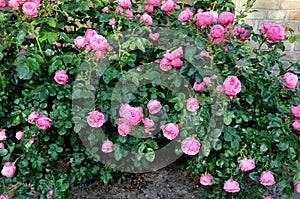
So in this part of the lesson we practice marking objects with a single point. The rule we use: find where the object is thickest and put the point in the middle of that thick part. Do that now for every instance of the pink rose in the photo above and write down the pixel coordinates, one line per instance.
(95, 119)
(88, 48)
(296, 125)
(274, 32)
(14, 4)
(199, 86)
(168, 6)
(31, 141)
(134, 115)
(147, 18)
(4, 197)
(43, 122)
(148, 123)
(2, 145)
(30, 9)
(8, 169)
(57, 44)
(107, 146)
(154, 106)
(177, 62)
(49, 193)
(204, 54)
(112, 21)
(296, 111)
(185, 15)
(88, 34)
(154, 3)
(297, 186)
(105, 9)
(190, 146)
(32, 116)
(216, 34)
(268, 197)
(124, 3)
(247, 164)
(240, 33)
(119, 11)
(170, 131)
(129, 14)
(206, 179)
(123, 109)
(154, 36)
(19, 135)
(165, 64)
(231, 186)
(177, 53)
(149, 9)
(267, 178)
(291, 80)
(232, 86)
(206, 80)
(204, 19)
(220, 88)
(226, 18)
(80, 41)
(98, 42)
(99, 54)
(61, 77)
(124, 129)
(192, 104)
(3, 3)
(3, 135)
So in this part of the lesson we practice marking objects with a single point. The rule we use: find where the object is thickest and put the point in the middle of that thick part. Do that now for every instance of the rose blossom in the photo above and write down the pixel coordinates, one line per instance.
(43, 122)
(3, 3)
(296, 111)
(8, 169)
(274, 32)
(204, 19)
(2, 145)
(119, 11)
(32, 116)
(148, 123)
(80, 42)
(149, 9)
(49, 193)
(231, 186)
(296, 125)
(61, 77)
(14, 4)
(297, 186)
(176, 62)
(57, 44)
(247, 164)
(124, 3)
(204, 54)
(267, 178)
(99, 54)
(170, 131)
(232, 86)
(154, 36)
(107, 146)
(177, 53)
(95, 119)
(240, 33)
(192, 104)
(30, 9)
(199, 86)
(226, 18)
(206, 80)
(4, 197)
(129, 14)
(98, 42)
(105, 9)
(147, 18)
(154, 106)
(19, 135)
(31, 141)
(168, 6)
(185, 15)
(154, 3)
(123, 109)
(134, 115)
(216, 34)
(112, 21)
(190, 146)
(268, 197)
(3, 135)
(165, 64)
(220, 88)
(88, 34)
(124, 129)
(291, 80)
(206, 179)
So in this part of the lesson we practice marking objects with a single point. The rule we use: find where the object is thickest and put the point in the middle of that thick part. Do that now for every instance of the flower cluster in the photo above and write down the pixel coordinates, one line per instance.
(39, 120)
(93, 41)
(171, 59)
(29, 7)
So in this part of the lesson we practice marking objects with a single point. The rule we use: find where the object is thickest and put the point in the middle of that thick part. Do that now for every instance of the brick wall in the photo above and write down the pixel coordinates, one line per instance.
(285, 12)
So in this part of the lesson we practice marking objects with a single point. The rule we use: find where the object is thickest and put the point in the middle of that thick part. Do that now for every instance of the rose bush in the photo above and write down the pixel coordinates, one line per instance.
(70, 71)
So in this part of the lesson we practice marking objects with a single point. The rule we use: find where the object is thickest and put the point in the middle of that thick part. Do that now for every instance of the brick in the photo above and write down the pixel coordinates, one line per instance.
(297, 46)
(267, 4)
(287, 45)
(276, 14)
(256, 15)
(290, 5)
(291, 56)
(294, 15)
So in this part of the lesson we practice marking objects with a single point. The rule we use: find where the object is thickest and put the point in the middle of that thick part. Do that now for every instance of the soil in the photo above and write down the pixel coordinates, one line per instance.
(170, 182)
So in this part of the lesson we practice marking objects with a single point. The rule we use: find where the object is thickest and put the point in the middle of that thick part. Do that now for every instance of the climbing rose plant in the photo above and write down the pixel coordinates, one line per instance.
(238, 123)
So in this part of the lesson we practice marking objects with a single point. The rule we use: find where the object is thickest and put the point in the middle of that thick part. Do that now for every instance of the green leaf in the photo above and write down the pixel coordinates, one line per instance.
(21, 37)
(52, 22)
(3, 152)
(140, 45)
(150, 155)
(228, 117)
(152, 143)
(23, 71)
(52, 37)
